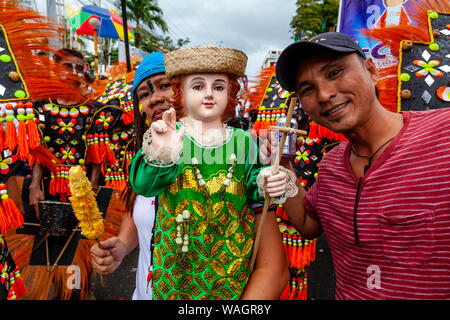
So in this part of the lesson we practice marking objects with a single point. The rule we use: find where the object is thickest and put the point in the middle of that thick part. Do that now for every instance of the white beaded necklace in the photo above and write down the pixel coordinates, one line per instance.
(182, 219)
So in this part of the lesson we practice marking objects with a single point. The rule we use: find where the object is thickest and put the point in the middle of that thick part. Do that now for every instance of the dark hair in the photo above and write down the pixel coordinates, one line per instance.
(239, 122)
(253, 115)
(64, 52)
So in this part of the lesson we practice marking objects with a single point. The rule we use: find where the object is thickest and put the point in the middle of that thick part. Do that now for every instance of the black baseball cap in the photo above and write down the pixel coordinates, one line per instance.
(295, 53)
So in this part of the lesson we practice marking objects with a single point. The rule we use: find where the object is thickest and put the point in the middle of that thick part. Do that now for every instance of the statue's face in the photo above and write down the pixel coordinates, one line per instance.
(393, 3)
(205, 95)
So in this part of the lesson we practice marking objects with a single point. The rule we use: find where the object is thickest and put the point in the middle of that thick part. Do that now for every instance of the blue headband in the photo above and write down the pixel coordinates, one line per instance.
(152, 64)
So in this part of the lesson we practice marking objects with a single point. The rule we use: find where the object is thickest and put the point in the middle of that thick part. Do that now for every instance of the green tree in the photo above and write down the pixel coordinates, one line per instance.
(314, 16)
(161, 43)
(144, 12)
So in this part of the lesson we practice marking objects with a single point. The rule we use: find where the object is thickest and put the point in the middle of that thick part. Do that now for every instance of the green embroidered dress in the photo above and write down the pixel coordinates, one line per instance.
(220, 225)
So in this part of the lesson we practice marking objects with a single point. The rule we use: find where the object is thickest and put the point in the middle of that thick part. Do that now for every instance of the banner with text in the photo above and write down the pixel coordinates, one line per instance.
(356, 15)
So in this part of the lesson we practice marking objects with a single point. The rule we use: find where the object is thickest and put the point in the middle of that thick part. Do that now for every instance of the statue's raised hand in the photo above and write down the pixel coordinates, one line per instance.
(166, 141)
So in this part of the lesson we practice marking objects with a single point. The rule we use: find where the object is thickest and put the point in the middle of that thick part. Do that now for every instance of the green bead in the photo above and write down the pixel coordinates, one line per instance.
(21, 117)
(434, 15)
(81, 161)
(269, 90)
(20, 94)
(405, 77)
(30, 115)
(5, 58)
(434, 47)
(83, 137)
(47, 138)
(9, 118)
(282, 105)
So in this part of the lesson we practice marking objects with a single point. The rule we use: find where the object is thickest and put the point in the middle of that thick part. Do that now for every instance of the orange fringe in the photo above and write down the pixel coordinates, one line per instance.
(318, 131)
(10, 135)
(391, 38)
(15, 217)
(29, 33)
(257, 92)
(45, 158)
(39, 280)
(2, 142)
(32, 130)
(23, 149)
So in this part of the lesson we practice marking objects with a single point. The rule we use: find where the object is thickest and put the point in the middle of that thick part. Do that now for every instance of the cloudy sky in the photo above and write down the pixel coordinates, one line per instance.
(253, 26)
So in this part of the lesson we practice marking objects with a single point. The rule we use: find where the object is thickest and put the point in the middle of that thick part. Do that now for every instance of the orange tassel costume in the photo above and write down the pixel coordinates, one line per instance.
(28, 32)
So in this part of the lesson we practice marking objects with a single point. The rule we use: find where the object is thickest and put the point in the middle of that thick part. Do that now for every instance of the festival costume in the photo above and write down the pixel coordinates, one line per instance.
(53, 247)
(204, 230)
(216, 265)
(120, 138)
(27, 76)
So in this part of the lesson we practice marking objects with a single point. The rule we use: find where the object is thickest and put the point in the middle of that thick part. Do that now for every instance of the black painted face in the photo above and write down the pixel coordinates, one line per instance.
(150, 85)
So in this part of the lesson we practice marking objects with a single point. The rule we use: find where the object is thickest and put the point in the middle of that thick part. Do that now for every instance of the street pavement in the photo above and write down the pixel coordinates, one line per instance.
(121, 283)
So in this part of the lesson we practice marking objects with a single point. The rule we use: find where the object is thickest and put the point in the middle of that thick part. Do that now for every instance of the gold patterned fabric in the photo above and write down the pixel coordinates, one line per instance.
(220, 226)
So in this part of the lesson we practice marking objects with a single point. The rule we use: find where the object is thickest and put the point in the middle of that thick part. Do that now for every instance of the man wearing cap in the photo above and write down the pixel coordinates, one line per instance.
(385, 214)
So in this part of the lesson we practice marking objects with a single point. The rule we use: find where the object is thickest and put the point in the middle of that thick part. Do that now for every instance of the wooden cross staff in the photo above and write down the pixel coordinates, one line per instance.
(284, 132)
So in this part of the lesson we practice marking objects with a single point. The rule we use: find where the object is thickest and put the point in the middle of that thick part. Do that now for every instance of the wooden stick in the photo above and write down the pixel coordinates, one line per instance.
(31, 224)
(289, 130)
(99, 244)
(274, 171)
(102, 283)
(62, 251)
(40, 242)
(46, 251)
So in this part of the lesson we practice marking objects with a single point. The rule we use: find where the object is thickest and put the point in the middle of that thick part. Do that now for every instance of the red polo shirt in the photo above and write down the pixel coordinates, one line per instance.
(403, 214)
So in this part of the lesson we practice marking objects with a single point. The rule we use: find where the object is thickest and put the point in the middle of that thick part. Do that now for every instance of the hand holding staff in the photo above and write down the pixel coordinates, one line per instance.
(284, 132)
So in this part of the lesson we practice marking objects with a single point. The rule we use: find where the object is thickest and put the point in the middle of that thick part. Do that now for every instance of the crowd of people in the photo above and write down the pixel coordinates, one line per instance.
(200, 187)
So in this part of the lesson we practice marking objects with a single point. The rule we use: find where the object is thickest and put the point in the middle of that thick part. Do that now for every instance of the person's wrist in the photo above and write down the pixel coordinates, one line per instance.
(125, 247)
(35, 186)
(286, 163)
